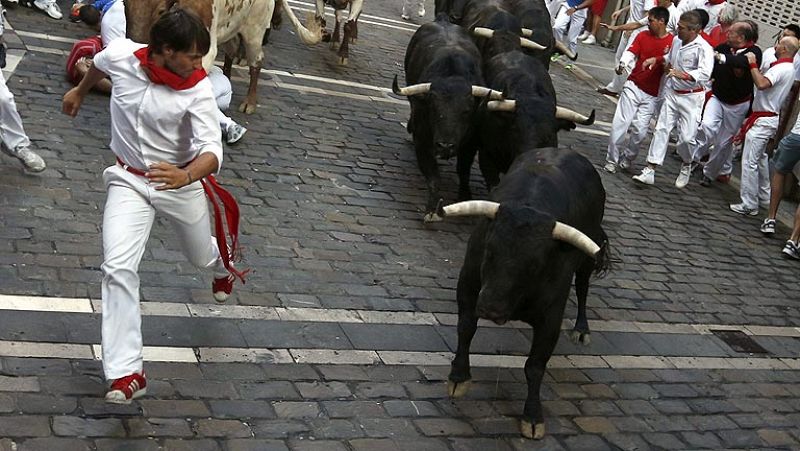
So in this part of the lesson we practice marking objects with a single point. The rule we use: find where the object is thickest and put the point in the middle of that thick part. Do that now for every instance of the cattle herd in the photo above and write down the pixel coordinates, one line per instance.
(477, 81)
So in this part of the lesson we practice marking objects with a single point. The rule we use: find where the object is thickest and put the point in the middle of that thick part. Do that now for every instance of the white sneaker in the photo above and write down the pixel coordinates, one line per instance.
(51, 9)
(584, 35)
(647, 176)
(742, 209)
(590, 40)
(234, 133)
(421, 10)
(32, 161)
(610, 167)
(684, 176)
(405, 16)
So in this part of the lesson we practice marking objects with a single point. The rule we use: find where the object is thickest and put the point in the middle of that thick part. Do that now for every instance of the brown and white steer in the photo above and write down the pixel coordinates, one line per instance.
(239, 25)
(350, 27)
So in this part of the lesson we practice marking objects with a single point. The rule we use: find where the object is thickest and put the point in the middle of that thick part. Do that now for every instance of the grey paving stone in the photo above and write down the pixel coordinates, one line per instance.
(496, 426)
(343, 372)
(76, 385)
(323, 428)
(664, 440)
(392, 373)
(86, 427)
(476, 444)
(241, 409)
(274, 334)
(397, 428)
(701, 440)
(671, 406)
(434, 427)
(204, 389)
(36, 367)
(159, 427)
(164, 370)
(174, 408)
(24, 426)
(490, 340)
(126, 445)
(7, 403)
(586, 442)
(394, 337)
(316, 445)
(230, 371)
(273, 390)
(97, 407)
(296, 409)
(323, 390)
(278, 428)
(403, 408)
(711, 422)
(255, 445)
(374, 444)
(737, 438)
(53, 443)
(598, 408)
(627, 442)
(356, 409)
(373, 390)
(191, 445)
(19, 384)
(290, 372)
(223, 428)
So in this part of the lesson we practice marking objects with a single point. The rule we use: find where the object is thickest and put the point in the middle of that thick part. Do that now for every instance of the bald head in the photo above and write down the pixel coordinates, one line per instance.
(787, 47)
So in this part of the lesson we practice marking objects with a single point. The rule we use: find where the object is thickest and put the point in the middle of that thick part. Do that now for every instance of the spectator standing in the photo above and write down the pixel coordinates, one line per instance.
(690, 63)
(772, 88)
(596, 11)
(719, 32)
(731, 92)
(13, 139)
(637, 103)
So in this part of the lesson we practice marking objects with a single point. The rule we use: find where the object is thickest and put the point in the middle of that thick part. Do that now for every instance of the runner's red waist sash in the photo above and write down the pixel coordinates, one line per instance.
(688, 91)
(748, 124)
(229, 252)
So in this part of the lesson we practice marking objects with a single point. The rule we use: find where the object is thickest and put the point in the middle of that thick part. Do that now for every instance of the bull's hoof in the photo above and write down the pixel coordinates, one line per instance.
(432, 217)
(579, 337)
(458, 389)
(247, 108)
(530, 431)
(342, 61)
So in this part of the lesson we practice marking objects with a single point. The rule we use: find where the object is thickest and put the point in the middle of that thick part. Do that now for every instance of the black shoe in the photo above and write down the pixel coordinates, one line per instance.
(706, 181)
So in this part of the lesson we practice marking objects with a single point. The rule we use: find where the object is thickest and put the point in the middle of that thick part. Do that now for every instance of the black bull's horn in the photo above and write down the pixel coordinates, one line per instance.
(523, 42)
(422, 88)
(561, 231)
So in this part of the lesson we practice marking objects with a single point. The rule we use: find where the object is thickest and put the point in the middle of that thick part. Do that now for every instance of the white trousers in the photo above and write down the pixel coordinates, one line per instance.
(618, 80)
(12, 135)
(683, 111)
(410, 6)
(564, 22)
(755, 187)
(634, 111)
(131, 205)
(719, 125)
(223, 92)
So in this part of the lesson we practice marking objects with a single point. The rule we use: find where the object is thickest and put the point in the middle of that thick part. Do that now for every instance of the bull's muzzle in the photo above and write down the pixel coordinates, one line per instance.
(444, 150)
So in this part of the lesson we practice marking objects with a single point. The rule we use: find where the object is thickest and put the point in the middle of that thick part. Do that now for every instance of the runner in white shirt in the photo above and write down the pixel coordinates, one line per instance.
(166, 138)
(691, 61)
(772, 89)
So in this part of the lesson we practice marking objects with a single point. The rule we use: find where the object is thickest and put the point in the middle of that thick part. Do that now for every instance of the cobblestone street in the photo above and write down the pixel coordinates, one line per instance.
(342, 337)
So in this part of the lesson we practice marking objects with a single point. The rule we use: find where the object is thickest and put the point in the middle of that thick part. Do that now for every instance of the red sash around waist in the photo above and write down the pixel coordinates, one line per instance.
(230, 253)
(748, 124)
(689, 91)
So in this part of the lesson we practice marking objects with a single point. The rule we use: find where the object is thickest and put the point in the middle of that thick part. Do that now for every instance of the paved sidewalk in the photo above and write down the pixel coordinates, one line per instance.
(341, 338)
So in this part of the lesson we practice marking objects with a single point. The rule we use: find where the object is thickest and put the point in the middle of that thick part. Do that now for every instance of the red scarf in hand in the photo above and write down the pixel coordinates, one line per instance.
(163, 76)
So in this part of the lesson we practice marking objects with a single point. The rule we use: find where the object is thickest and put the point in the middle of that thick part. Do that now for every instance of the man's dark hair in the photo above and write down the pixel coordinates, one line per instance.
(692, 20)
(659, 13)
(794, 29)
(752, 33)
(181, 30)
(89, 15)
(704, 17)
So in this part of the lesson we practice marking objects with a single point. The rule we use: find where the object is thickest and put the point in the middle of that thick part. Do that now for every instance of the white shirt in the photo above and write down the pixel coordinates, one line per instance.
(771, 99)
(152, 123)
(674, 17)
(639, 10)
(112, 24)
(695, 58)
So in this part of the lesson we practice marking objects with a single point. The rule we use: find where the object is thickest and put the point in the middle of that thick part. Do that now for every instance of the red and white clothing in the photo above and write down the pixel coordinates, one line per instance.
(637, 13)
(683, 99)
(769, 58)
(755, 183)
(150, 123)
(637, 102)
(712, 7)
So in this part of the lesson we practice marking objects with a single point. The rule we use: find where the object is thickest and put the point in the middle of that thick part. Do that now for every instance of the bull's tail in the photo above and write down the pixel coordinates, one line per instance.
(309, 36)
(277, 15)
(604, 259)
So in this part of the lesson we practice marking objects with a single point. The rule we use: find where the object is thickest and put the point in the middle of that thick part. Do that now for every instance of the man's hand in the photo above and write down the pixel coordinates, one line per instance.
(571, 11)
(72, 102)
(609, 27)
(751, 58)
(615, 15)
(170, 175)
(650, 63)
(619, 70)
(679, 74)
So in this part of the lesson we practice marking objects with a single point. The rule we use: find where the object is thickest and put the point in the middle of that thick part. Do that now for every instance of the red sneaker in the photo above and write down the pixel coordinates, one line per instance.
(724, 178)
(222, 287)
(127, 388)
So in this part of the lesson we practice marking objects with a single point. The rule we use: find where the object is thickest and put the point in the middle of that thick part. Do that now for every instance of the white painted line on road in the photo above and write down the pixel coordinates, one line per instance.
(366, 357)
(296, 314)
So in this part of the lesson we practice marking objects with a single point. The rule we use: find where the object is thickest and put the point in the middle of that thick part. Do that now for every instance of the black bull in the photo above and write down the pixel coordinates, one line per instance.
(445, 85)
(521, 260)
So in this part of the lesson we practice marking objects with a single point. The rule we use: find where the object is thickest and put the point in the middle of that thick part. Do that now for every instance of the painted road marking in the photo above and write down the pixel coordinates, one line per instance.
(303, 314)
(363, 357)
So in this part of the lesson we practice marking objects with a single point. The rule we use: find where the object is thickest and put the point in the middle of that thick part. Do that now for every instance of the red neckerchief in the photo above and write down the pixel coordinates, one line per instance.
(782, 60)
(715, 2)
(164, 76)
